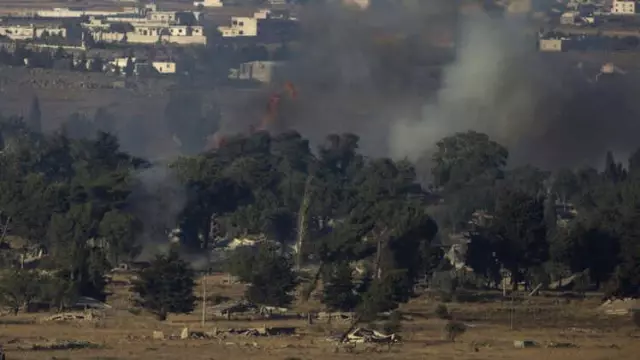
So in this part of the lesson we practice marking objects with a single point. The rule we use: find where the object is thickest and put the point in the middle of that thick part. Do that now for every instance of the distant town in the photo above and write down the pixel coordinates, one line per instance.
(609, 25)
(103, 35)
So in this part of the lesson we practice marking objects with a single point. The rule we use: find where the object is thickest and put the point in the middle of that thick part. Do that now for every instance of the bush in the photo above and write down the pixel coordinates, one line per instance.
(453, 329)
(393, 324)
(442, 312)
(635, 315)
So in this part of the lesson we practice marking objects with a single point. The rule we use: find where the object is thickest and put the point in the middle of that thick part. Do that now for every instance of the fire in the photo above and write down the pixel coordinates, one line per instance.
(273, 105)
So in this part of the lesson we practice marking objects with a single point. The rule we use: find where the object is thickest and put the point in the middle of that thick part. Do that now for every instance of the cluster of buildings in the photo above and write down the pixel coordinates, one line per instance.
(140, 25)
(263, 22)
(594, 24)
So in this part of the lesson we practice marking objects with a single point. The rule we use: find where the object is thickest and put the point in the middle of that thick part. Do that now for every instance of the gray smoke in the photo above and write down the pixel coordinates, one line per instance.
(157, 201)
(488, 88)
(402, 99)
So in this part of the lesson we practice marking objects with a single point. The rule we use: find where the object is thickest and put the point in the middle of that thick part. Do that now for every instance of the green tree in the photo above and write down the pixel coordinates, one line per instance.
(466, 157)
(120, 229)
(520, 233)
(339, 292)
(166, 286)
(18, 288)
(129, 68)
(269, 274)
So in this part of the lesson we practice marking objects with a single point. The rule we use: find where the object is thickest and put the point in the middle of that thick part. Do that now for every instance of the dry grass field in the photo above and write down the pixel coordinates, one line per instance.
(123, 335)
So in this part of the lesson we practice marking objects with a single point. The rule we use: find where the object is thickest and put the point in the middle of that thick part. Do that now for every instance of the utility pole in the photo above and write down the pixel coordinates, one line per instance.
(204, 298)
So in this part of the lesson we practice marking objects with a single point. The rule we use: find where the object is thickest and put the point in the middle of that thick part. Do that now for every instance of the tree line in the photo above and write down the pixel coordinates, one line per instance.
(364, 228)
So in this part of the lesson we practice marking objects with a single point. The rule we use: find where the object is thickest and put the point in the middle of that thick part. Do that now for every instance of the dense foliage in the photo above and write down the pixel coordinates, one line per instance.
(362, 227)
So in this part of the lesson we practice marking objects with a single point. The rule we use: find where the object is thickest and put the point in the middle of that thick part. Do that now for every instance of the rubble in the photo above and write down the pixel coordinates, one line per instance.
(186, 334)
(620, 306)
(73, 316)
(244, 307)
(339, 316)
(363, 335)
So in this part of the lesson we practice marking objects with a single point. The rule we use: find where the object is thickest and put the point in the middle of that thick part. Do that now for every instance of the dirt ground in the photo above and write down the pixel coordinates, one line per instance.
(123, 335)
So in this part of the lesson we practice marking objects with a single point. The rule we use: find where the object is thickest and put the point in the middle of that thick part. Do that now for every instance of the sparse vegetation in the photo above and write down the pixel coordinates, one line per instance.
(442, 312)
(453, 329)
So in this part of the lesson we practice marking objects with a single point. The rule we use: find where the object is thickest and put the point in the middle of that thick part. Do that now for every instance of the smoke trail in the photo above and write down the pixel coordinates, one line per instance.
(157, 201)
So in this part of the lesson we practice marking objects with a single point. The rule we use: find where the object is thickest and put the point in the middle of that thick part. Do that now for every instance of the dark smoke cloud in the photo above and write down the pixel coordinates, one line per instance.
(401, 99)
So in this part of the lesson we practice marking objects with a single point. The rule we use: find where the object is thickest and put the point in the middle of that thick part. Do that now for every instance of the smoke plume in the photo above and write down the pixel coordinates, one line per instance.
(384, 75)
(158, 200)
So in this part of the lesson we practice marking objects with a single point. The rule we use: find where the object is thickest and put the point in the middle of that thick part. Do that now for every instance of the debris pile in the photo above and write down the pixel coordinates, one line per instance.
(362, 335)
(339, 316)
(217, 333)
(620, 306)
(244, 307)
(73, 316)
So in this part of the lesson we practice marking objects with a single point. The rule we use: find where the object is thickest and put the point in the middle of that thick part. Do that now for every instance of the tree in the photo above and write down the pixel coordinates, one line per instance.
(467, 157)
(520, 233)
(269, 274)
(339, 293)
(129, 68)
(18, 288)
(166, 286)
(34, 121)
(119, 229)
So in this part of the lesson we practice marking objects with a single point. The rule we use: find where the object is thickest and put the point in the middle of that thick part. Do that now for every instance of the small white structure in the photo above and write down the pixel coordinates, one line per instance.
(165, 67)
(623, 7)
(568, 18)
(552, 45)
(261, 71)
(74, 13)
(240, 26)
(30, 32)
(208, 3)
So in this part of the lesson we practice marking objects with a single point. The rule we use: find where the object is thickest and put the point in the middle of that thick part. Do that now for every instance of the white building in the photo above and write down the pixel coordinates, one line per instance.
(31, 31)
(240, 26)
(623, 7)
(208, 3)
(552, 45)
(261, 71)
(165, 67)
(568, 18)
(74, 13)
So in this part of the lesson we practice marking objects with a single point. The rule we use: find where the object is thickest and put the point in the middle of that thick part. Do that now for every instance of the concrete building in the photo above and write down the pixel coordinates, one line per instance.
(29, 30)
(261, 71)
(262, 22)
(240, 26)
(59, 13)
(165, 67)
(170, 17)
(568, 18)
(623, 7)
(552, 45)
(208, 3)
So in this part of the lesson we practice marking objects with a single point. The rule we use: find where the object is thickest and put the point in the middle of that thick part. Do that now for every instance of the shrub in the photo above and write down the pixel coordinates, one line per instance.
(393, 324)
(442, 312)
(453, 329)
(635, 315)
